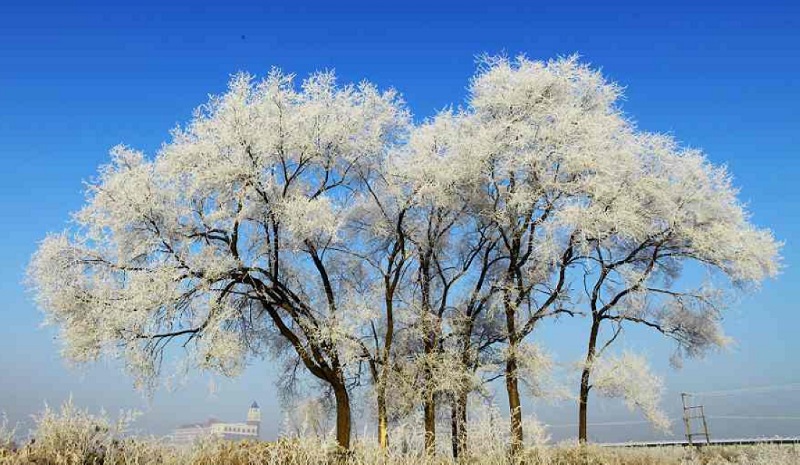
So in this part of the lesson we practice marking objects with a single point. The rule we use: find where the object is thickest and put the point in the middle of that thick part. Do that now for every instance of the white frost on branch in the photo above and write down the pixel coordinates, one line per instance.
(315, 220)
(628, 376)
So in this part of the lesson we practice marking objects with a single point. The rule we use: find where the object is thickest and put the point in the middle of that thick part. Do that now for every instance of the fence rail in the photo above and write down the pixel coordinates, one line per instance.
(713, 442)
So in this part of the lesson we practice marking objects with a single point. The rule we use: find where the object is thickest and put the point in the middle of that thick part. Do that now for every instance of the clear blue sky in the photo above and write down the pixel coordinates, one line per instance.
(78, 79)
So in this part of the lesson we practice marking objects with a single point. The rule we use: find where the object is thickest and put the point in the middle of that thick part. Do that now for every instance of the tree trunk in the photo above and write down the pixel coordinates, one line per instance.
(429, 344)
(458, 424)
(342, 416)
(383, 432)
(515, 409)
(583, 398)
(512, 381)
(430, 424)
(429, 406)
(454, 434)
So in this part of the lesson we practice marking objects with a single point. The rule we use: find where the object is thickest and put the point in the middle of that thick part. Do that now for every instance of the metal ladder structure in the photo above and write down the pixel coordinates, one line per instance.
(690, 412)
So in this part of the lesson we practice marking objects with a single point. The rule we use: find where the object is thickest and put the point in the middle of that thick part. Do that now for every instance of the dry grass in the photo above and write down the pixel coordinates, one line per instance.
(75, 437)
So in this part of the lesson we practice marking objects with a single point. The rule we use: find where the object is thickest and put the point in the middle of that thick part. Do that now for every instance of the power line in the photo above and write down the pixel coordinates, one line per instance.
(746, 417)
(607, 423)
(744, 390)
(642, 422)
(717, 393)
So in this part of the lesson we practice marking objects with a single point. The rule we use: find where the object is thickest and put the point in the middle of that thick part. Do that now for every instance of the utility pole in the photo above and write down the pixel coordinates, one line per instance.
(689, 414)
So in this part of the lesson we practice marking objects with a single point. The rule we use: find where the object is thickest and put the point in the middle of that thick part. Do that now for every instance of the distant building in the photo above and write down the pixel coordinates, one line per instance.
(251, 429)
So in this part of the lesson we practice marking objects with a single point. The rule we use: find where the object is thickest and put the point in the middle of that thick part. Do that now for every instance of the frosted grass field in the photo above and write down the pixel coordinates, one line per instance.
(72, 436)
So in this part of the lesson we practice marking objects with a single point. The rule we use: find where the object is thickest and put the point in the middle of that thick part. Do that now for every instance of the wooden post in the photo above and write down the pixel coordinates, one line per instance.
(687, 418)
(686, 423)
(705, 425)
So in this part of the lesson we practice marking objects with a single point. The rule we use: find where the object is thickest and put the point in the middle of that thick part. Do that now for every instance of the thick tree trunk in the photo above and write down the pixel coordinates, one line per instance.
(343, 424)
(583, 398)
(515, 408)
(430, 424)
(383, 423)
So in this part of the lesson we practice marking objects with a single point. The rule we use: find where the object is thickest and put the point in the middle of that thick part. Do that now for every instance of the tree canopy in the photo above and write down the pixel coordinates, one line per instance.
(316, 222)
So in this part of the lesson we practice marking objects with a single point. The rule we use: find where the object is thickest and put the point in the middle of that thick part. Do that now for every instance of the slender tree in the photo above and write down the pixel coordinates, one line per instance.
(442, 246)
(540, 130)
(664, 210)
(381, 268)
(475, 334)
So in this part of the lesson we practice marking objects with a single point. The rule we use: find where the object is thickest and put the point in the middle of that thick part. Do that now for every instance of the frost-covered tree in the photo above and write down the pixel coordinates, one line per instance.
(381, 264)
(418, 214)
(475, 333)
(664, 209)
(628, 377)
(315, 223)
(542, 132)
(226, 240)
(442, 243)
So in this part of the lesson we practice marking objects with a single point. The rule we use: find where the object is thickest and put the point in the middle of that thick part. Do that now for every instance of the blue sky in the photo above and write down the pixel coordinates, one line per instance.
(78, 78)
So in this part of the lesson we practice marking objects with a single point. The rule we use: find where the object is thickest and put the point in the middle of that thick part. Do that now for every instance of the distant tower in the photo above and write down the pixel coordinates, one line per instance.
(254, 417)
